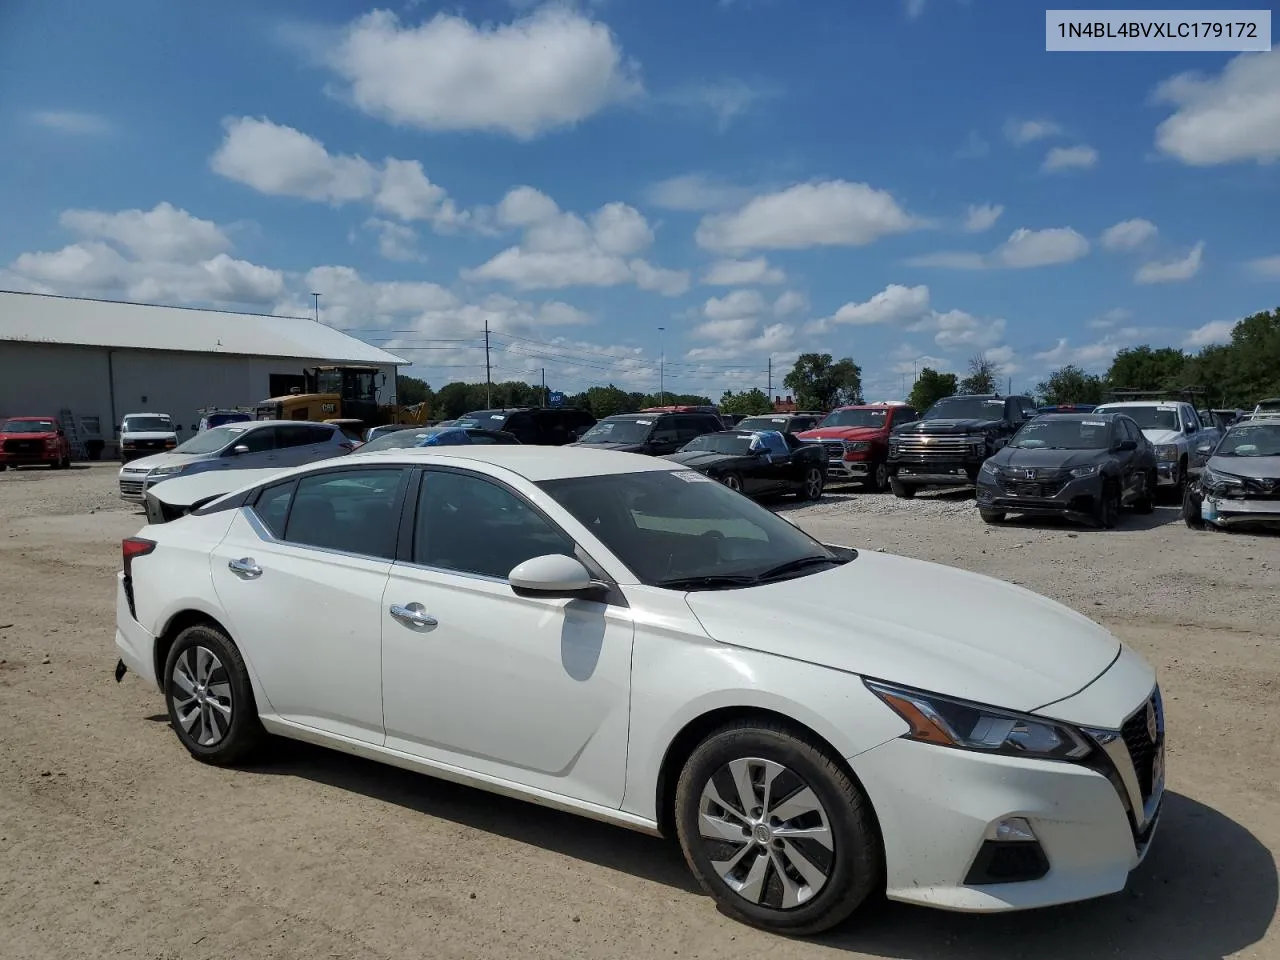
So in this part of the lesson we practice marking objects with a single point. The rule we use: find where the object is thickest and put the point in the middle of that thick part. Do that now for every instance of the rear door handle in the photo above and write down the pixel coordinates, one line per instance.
(413, 615)
(245, 568)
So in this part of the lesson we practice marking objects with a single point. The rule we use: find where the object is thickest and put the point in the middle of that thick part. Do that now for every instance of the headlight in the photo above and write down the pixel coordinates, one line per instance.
(969, 726)
(1167, 451)
(169, 471)
(989, 466)
(1088, 470)
(1212, 479)
(856, 446)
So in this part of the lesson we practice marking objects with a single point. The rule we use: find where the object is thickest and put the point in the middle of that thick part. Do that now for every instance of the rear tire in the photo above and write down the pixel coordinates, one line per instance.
(210, 698)
(901, 489)
(741, 839)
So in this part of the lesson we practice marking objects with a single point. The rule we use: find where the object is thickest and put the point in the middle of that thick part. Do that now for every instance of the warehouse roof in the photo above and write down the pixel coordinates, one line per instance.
(41, 318)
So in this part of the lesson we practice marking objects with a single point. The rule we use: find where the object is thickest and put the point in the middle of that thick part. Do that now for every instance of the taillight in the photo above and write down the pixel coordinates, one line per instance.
(132, 547)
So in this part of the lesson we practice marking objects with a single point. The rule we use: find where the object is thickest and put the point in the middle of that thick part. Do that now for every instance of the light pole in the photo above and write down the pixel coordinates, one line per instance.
(317, 296)
(662, 362)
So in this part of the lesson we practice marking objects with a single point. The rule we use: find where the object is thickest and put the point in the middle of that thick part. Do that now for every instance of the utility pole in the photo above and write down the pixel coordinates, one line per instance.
(770, 380)
(317, 296)
(662, 362)
(545, 398)
(1010, 390)
(488, 374)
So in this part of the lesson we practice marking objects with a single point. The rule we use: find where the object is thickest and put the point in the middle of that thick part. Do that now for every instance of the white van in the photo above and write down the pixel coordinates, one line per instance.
(146, 434)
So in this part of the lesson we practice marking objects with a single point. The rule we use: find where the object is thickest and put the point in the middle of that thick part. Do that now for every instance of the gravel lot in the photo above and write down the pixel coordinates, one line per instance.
(113, 843)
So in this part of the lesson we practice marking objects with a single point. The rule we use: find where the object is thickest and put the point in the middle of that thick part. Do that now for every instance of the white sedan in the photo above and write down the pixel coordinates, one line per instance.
(620, 637)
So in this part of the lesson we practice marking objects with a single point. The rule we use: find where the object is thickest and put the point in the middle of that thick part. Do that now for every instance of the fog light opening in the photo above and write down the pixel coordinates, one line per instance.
(1011, 830)
(1010, 853)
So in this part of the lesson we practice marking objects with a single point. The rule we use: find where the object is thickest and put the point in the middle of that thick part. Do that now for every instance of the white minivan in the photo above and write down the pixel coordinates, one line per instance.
(145, 434)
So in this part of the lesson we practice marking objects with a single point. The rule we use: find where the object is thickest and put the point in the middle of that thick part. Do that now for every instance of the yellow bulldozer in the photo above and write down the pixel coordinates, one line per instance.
(339, 393)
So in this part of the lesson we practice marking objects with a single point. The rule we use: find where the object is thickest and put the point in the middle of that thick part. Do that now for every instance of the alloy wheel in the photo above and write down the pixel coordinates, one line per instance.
(882, 476)
(202, 695)
(733, 483)
(766, 833)
(813, 483)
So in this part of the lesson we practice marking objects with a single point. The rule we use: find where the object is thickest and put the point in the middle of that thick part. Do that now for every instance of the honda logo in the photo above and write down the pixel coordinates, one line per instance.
(1028, 474)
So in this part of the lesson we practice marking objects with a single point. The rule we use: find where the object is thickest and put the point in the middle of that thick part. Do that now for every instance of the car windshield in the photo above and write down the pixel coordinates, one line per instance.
(28, 426)
(148, 425)
(734, 443)
(1083, 434)
(680, 529)
(763, 423)
(966, 408)
(400, 439)
(487, 419)
(855, 418)
(211, 441)
(628, 430)
(1251, 440)
(1150, 418)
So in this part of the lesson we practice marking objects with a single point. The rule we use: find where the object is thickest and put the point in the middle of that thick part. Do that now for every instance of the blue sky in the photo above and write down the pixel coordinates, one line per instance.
(907, 182)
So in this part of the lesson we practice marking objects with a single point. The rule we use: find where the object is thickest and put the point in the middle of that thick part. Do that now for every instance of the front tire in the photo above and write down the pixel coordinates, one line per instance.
(775, 830)
(813, 485)
(1106, 512)
(210, 698)
(991, 516)
(1146, 503)
(901, 489)
(732, 481)
(878, 480)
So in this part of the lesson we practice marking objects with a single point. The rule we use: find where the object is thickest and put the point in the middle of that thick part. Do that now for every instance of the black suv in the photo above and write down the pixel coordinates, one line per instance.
(653, 433)
(948, 444)
(542, 426)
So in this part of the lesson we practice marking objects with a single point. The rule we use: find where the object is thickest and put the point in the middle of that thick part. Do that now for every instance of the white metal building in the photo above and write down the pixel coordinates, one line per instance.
(103, 359)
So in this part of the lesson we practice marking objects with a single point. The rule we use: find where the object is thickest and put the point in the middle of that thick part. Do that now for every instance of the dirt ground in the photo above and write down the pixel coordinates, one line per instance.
(114, 843)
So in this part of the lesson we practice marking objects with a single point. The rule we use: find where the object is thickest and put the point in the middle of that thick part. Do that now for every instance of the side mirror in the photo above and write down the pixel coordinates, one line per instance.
(1189, 428)
(1124, 445)
(550, 575)
(239, 449)
(1205, 449)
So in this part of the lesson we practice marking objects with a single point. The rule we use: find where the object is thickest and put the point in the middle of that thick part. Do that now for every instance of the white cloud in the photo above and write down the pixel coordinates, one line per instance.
(982, 217)
(735, 344)
(1128, 234)
(1028, 131)
(72, 122)
(725, 100)
(1005, 359)
(395, 240)
(895, 304)
(1171, 271)
(560, 249)
(697, 193)
(1092, 356)
(1079, 157)
(956, 328)
(281, 161)
(1213, 332)
(550, 69)
(1110, 318)
(1229, 118)
(1023, 250)
(826, 213)
(737, 273)
(739, 303)
(727, 328)
(1265, 267)
(789, 302)
(161, 233)
(914, 8)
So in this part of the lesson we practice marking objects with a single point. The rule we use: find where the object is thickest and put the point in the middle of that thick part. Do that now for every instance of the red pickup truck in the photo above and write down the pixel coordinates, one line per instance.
(856, 440)
(33, 440)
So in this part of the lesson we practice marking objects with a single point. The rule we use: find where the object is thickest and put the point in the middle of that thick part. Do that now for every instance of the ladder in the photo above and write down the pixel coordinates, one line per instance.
(73, 434)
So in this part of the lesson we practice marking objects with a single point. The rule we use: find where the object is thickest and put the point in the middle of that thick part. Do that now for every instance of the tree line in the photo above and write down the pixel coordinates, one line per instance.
(1234, 374)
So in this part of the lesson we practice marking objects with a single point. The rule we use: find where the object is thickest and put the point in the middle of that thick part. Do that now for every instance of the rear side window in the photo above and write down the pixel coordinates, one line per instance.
(272, 507)
(301, 436)
(352, 511)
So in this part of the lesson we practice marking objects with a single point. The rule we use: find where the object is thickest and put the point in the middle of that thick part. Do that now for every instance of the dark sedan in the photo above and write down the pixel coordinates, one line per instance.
(1084, 466)
(758, 462)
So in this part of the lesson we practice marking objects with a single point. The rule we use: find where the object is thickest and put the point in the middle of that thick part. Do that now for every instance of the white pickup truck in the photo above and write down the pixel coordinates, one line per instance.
(1176, 431)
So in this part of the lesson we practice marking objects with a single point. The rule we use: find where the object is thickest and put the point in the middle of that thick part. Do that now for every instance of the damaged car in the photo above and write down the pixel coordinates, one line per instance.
(1240, 483)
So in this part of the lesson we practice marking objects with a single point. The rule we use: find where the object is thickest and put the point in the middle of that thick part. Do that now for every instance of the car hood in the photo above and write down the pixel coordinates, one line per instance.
(47, 435)
(976, 638)
(1163, 436)
(1259, 468)
(612, 445)
(701, 459)
(1048, 459)
(165, 460)
(942, 426)
(842, 433)
(182, 491)
(149, 435)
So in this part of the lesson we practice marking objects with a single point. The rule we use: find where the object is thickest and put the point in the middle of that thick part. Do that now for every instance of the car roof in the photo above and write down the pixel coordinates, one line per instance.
(1083, 415)
(26, 419)
(1161, 404)
(534, 463)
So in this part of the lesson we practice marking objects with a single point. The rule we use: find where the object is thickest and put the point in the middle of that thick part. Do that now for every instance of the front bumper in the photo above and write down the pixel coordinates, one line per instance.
(935, 473)
(1226, 511)
(937, 807)
(1168, 474)
(1075, 497)
(30, 460)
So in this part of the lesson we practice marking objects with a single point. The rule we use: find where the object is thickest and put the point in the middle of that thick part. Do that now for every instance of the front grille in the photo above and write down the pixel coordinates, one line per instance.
(1042, 489)
(834, 449)
(131, 488)
(923, 449)
(24, 446)
(148, 444)
(1142, 746)
(1268, 489)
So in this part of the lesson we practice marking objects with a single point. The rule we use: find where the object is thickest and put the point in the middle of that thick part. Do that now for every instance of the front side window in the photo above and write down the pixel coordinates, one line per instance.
(469, 524)
(679, 529)
(258, 441)
(352, 511)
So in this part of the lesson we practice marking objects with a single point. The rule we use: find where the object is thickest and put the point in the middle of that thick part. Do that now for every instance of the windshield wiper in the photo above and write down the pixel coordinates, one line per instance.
(706, 582)
(791, 566)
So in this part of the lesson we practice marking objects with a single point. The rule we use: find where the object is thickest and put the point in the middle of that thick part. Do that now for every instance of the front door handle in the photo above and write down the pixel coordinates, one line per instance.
(413, 615)
(245, 568)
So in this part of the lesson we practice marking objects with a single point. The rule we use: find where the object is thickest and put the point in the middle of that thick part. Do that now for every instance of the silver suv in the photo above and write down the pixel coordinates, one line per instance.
(251, 445)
